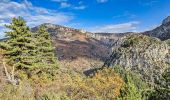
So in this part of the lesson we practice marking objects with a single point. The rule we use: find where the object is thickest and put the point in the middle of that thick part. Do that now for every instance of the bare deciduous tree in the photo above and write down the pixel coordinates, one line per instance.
(10, 76)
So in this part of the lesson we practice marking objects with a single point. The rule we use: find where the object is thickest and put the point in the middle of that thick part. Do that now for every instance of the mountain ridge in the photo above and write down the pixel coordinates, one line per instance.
(74, 44)
(162, 32)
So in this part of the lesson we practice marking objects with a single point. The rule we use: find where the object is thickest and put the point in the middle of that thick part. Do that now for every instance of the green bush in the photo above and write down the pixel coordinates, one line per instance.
(168, 42)
(162, 89)
(134, 88)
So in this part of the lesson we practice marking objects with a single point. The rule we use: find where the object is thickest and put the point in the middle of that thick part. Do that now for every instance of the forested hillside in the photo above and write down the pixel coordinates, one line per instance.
(37, 65)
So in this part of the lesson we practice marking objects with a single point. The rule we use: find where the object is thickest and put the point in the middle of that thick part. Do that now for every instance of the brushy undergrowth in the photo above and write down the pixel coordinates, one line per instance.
(67, 85)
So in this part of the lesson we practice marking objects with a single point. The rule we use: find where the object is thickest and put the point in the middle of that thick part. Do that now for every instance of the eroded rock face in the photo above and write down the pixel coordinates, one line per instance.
(143, 54)
(72, 44)
(162, 32)
(166, 21)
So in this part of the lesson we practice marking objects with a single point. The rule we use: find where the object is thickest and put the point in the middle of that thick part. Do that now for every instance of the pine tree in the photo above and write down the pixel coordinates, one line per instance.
(134, 87)
(19, 44)
(45, 50)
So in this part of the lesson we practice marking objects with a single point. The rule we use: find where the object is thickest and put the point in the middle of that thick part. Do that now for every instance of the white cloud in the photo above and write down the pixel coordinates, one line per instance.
(148, 3)
(2, 30)
(59, 0)
(117, 28)
(32, 14)
(79, 7)
(65, 5)
(102, 1)
(126, 14)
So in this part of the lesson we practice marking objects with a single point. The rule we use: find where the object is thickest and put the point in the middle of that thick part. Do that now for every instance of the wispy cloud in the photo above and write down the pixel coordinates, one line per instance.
(149, 3)
(102, 1)
(66, 4)
(125, 14)
(117, 28)
(32, 14)
(80, 7)
(59, 0)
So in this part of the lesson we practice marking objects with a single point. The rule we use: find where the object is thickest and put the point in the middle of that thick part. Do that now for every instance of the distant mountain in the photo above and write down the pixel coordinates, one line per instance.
(162, 32)
(73, 43)
(62, 31)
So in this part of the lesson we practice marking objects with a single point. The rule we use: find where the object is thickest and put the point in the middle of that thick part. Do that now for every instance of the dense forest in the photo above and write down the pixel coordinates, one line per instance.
(30, 71)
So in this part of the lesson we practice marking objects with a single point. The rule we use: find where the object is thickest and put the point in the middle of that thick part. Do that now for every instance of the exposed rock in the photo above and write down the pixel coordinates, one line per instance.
(166, 21)
(162, 32)
(73, 43)
(66, 33)
(146, 55)
(108, 38)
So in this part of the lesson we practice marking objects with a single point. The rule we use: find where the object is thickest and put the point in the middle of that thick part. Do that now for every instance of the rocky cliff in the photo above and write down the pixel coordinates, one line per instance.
(126, 49)
(146, 55)
(68, 33)
(162, 32)
(77, 48)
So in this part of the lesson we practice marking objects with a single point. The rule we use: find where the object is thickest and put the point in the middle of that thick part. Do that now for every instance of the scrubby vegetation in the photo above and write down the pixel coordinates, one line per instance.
(168, 42)
(134, 88)
(162, 90)
(31, 72)
(138, 40)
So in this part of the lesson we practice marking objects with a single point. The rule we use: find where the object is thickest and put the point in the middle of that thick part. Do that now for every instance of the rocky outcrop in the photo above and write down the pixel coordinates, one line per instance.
(63, 32)
(162, 32)
(166, 21)
(60, 31)
(73, 43)
(108, 38)
(143, 54)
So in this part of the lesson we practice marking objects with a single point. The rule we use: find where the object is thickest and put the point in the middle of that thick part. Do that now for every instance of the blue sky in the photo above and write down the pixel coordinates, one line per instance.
(91, 15)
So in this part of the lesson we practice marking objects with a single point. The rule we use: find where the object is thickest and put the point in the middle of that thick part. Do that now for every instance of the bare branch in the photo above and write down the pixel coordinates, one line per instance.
(10, 77)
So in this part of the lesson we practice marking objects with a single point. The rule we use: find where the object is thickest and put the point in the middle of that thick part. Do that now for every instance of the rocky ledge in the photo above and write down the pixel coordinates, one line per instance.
(145, 55)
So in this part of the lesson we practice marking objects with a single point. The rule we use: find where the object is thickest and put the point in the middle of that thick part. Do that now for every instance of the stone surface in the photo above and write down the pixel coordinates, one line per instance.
(162, 32)
(166, 21)
(143, 54)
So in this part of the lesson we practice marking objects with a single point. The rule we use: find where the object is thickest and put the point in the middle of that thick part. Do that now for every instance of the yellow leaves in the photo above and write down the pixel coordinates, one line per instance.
(104, 85)
(107, 83)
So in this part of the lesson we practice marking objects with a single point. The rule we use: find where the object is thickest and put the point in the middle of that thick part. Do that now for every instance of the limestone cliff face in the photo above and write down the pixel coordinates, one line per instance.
(107, 38)
(72, 44)
(59, 31)
(146, 55)
(162, 32)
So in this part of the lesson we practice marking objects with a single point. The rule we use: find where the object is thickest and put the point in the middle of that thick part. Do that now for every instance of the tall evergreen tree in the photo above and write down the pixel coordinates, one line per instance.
(134, 88)
(45, 49)
(19, 44)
